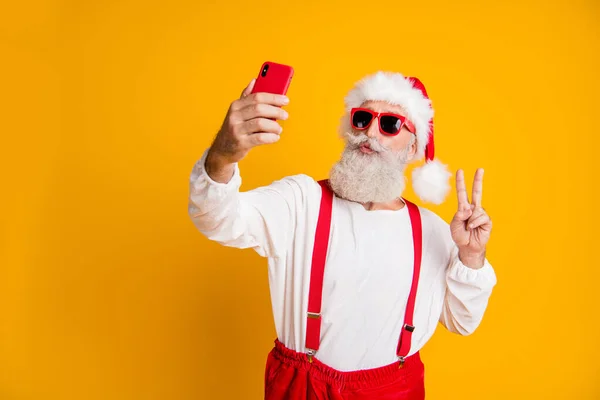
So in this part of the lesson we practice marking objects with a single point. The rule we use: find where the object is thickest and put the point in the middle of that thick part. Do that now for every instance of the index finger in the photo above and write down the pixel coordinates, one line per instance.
(478, 188)
(248, 89)
(461, 190)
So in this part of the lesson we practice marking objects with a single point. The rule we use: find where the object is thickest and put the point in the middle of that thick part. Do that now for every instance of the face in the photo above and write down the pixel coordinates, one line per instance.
(372, 165)
(403, 141)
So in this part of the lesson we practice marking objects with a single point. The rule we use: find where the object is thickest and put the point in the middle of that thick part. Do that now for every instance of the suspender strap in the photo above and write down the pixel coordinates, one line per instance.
(408, 327)
(315, 294)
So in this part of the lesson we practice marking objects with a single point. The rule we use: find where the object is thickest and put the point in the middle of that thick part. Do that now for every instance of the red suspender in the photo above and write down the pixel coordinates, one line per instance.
(315, 294)
(408, 327)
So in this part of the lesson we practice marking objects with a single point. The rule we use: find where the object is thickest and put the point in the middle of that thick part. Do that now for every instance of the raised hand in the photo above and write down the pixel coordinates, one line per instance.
(250, 122)
(471, 225)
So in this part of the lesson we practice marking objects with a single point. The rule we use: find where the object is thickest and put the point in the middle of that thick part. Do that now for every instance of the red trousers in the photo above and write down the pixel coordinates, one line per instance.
(290, 376)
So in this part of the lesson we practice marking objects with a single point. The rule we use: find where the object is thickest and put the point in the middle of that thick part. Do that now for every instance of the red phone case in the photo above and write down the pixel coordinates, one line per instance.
(273, 78)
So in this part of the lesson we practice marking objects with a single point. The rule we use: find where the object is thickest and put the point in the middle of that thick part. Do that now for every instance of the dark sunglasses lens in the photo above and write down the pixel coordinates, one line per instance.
(390, 124)
(361, 119)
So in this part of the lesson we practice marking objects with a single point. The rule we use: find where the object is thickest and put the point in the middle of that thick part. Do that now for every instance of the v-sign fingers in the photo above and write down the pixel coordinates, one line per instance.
(477, 188)
(461, 191)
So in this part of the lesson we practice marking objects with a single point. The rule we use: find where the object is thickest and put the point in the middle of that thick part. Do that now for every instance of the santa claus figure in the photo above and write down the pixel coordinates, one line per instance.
(359, 276)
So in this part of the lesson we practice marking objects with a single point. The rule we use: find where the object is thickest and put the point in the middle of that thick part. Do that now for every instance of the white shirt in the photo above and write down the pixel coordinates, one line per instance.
(368, 271)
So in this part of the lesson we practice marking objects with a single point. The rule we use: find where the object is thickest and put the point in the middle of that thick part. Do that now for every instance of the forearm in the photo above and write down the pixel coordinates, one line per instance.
(216, 206)
(214, 203)
(260, 218)
(467, 294)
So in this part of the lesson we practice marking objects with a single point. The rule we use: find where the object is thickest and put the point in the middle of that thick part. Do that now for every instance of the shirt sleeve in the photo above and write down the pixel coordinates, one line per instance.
(262, 219)
(467, 293)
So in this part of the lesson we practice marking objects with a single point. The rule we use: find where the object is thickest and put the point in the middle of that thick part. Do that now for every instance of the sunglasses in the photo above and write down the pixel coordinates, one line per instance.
(390, 124)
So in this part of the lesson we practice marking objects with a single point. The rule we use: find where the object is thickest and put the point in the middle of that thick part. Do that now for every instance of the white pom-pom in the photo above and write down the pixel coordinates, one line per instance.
(430, 182)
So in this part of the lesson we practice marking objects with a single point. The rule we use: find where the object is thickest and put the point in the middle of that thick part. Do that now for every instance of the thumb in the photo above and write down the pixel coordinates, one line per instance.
(248, 89)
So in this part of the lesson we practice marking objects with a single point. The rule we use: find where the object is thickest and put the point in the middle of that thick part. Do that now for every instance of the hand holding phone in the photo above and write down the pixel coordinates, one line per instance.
(251, 120)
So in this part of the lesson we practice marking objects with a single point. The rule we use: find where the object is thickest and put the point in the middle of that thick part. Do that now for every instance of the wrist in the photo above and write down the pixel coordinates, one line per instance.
(473, 260)
(218, 168)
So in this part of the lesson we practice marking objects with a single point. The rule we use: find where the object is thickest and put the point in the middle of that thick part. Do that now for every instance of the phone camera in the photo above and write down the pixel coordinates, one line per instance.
(265, 69)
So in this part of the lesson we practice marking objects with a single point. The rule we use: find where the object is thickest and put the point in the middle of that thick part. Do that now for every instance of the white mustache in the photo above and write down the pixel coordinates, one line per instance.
(355, 141)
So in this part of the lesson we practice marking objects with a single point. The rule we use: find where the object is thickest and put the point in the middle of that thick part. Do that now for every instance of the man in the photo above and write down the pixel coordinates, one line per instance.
(359, 276)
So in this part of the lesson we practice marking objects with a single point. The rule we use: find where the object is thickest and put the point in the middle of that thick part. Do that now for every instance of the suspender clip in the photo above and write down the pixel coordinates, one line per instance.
(310, 353)
(409, 328)
(314, 315)
(401, 359)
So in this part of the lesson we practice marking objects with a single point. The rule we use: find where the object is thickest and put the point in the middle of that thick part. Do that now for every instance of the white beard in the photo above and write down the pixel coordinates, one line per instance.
(377, 177)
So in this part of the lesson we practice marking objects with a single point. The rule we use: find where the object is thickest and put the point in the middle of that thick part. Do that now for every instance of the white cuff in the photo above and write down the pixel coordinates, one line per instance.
(206, 193)
(483, 278)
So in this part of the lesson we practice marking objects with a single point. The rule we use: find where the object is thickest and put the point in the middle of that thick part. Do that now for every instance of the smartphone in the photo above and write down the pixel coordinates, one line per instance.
(273, 78)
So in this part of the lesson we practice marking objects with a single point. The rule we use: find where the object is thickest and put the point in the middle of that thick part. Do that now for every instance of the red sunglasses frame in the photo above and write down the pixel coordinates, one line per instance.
(404, 122)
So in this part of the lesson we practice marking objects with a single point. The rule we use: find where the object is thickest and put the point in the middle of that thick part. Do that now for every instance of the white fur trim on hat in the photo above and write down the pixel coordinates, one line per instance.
(395, 89)
(430, 182)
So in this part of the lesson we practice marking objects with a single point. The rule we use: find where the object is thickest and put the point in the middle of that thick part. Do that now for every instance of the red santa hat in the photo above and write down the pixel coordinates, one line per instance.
(430, 181)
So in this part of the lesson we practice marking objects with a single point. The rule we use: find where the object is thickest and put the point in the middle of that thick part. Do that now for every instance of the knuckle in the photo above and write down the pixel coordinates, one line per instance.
(260, 139)
(261, 124)
(258, 108)
(256, 97)
(235, 105)
(255, 125)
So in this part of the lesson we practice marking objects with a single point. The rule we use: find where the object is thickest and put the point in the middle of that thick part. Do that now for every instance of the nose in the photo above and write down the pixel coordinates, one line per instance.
(373, 130)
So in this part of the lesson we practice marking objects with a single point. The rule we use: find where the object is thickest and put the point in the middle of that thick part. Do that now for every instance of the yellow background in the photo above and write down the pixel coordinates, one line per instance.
(108, 292)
